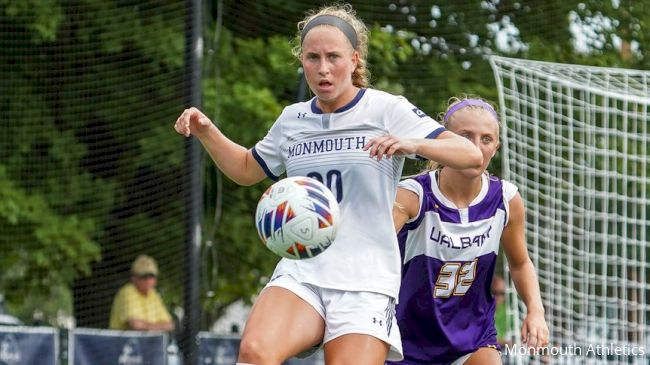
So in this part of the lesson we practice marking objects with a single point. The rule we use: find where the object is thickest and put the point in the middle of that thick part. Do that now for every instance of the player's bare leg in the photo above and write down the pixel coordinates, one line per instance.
(279, 326)
(356, 349)
(485, 356)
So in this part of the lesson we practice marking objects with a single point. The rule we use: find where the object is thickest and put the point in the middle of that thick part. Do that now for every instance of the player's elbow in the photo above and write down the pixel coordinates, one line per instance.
(249, 171)
(249, 174)
(462, 154)
(475, 158)
(523, 265)
(471, 159)
(248, 177)
(465, 155)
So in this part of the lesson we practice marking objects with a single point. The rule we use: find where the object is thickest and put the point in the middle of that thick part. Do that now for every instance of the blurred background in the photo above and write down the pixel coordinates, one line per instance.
(92, 173)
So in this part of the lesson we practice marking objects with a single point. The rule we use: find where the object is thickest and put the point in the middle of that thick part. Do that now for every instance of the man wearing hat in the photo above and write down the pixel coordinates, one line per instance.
(137, 305)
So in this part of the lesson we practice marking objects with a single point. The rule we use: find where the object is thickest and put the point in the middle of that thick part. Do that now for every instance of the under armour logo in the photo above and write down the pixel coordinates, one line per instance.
(419, 112)
(302, 115)
(374, 320)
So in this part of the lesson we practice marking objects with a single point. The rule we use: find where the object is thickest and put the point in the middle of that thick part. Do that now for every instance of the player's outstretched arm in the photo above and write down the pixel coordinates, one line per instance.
(534, 331)
(234, 160)
(448, 149)
(451, 150)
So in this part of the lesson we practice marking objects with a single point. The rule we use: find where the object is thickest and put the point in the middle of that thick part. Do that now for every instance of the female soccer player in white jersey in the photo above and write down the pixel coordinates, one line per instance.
(353, 139)
(451, 221)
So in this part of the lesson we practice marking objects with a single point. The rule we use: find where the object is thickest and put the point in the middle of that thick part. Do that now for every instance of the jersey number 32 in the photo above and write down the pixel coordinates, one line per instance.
(454, 278)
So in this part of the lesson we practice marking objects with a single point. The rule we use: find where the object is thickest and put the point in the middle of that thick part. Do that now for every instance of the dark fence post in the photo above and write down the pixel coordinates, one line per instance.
(192, 188)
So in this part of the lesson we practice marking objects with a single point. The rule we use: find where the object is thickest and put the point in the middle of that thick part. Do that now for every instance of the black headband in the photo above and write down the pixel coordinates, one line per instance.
(332, 20)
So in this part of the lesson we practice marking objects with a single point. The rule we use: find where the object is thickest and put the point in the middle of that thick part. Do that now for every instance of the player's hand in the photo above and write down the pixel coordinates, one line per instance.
(534, 331)
(193, 122)
(387, 146)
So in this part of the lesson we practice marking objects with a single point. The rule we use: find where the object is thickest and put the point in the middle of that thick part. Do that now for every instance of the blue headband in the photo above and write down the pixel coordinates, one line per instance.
(471, 102)
(334, 21)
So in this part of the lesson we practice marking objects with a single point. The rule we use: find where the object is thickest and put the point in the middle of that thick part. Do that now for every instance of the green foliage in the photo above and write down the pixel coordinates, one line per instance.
(85, 89)
(89, 90)
(45, 17)
(41, 224)
(32, 255)
(387, 51)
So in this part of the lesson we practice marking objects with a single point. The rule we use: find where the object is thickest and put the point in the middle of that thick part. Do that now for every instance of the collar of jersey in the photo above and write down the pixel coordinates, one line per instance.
(485, 183)
(316, 110)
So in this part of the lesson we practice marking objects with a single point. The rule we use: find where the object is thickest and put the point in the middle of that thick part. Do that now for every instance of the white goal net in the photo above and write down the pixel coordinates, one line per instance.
(576, 143)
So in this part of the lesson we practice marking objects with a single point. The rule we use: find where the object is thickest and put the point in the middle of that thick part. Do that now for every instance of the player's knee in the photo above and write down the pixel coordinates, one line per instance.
(485, 355)
(253, 351)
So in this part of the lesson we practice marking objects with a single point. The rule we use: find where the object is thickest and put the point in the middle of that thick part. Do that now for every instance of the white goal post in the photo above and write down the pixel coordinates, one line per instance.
(575, 140)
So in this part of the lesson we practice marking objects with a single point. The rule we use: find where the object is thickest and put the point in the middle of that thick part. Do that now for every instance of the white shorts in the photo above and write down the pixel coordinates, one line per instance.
(348, 312)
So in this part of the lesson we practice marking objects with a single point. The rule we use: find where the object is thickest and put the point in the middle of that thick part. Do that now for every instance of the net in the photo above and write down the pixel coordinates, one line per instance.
(91, 174)
(575, 142)
(90, 168)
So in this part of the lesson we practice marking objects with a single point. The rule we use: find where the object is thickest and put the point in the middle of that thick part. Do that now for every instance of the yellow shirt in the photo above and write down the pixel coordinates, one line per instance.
(129, 303)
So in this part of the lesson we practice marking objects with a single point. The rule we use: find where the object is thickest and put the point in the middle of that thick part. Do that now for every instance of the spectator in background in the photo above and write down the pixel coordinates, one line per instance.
(137, 305)
(500, 316)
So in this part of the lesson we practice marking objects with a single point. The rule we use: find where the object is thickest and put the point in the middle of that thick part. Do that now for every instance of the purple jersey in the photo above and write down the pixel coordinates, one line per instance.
(446, 309)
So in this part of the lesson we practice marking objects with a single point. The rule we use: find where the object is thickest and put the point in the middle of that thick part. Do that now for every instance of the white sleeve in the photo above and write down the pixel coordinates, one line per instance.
(405, 120)
(268, 154)
(509, 192)
(415, 187)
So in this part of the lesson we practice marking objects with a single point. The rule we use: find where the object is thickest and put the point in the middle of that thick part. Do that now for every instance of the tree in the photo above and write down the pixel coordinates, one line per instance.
(86, 165)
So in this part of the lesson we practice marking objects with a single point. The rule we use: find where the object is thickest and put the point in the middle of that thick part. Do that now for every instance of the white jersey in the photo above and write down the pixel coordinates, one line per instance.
(304, 141)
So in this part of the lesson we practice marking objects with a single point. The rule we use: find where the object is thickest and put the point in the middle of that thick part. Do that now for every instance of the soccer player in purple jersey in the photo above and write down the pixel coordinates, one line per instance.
(451, 223)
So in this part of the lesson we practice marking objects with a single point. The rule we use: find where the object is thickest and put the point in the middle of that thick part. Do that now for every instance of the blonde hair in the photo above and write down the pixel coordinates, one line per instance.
(433, 165)
(456, 100)
(361, 74)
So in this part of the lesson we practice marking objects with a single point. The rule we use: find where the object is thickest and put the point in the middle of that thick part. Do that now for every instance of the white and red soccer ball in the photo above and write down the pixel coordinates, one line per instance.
(297, 217)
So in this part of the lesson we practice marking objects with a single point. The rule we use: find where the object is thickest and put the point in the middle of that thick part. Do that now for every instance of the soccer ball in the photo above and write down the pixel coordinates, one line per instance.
(297, 217)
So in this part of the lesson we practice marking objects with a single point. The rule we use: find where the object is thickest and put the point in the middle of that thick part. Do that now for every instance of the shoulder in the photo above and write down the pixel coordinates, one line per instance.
(125, 291)
(383, 98)
(302, 105)
(155, 293)
(513, 203)
(509, 189)
(128, 288)
(379, 94)
(396, 107)
(417, 184)
(292, 110)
